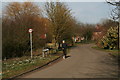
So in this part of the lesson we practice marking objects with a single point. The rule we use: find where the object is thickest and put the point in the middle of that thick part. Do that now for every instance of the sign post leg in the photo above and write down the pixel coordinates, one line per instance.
(31, 43)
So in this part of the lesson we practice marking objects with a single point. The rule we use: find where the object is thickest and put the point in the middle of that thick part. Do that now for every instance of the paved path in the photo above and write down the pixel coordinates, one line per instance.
(84, 62)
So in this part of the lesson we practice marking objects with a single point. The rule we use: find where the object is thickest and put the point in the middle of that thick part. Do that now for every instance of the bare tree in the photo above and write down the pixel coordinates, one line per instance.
(60, 20)
(115, 15)
(17, 19)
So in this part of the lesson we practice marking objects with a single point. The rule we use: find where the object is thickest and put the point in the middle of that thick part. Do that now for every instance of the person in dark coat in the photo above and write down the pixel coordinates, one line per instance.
(64, 48)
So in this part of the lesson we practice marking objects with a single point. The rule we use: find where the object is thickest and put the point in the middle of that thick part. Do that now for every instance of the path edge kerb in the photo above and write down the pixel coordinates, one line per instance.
(50, 62)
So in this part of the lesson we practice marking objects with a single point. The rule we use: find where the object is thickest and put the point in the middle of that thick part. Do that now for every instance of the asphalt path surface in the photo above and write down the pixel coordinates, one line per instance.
(83, 62)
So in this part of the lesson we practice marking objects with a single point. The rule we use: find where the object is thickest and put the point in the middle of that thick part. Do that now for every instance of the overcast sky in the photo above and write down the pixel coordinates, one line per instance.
(90, 12)
(86, 12)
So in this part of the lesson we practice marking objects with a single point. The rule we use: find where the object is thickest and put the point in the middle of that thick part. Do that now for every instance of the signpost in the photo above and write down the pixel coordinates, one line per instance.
(30, 31)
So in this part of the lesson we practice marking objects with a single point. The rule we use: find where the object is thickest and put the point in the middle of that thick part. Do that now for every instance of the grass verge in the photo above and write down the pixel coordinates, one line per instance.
(111, 52)
(16, 66)
(85, 42)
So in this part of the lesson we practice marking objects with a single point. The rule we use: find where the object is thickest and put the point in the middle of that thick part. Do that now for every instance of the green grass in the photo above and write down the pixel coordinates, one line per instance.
(85, 42)
(15, 66)
(0, 69)
(112, 52)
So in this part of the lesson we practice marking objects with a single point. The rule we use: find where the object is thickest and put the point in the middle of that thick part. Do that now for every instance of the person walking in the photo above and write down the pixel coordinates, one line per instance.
(64, 48)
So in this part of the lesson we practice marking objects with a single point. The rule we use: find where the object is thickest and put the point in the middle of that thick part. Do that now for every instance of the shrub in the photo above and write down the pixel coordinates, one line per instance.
(110, 40)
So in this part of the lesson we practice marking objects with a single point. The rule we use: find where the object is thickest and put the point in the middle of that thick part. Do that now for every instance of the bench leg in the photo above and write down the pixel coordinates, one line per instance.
(43, 54)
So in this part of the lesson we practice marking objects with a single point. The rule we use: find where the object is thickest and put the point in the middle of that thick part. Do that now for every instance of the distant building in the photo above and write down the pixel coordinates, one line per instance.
(97, 32)
(78, 38)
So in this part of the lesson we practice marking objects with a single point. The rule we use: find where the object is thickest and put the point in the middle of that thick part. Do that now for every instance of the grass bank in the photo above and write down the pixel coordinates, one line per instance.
(85, 42)
(112, 52)
(16, 66)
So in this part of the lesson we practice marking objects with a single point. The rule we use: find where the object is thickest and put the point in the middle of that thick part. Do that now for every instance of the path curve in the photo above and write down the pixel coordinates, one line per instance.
(84, 62)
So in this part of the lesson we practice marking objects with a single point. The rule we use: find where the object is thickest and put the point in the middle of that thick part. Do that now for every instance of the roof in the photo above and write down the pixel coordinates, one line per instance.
(98, 28)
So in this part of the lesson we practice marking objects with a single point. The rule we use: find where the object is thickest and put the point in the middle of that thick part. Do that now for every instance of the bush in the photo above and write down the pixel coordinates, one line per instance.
(110, 40)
